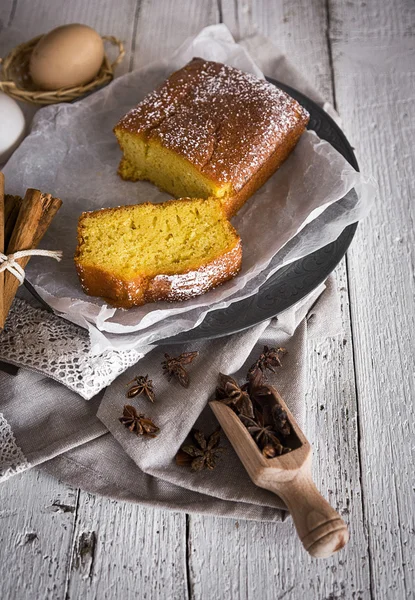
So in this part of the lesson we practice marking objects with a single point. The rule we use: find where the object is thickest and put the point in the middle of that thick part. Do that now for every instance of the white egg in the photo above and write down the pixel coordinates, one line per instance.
(12, 126)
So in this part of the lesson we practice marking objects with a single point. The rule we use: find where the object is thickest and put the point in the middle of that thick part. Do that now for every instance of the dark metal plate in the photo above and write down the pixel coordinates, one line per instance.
(291, 283)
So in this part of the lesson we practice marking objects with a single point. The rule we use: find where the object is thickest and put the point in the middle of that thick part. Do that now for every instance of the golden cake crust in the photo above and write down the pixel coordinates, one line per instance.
(170, 287)
(231, 126)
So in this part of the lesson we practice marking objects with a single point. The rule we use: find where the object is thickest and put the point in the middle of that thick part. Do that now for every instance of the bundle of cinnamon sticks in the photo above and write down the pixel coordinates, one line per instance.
(23, 223)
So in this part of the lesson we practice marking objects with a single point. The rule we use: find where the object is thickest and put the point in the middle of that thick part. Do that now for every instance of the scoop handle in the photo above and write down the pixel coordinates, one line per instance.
(321, 529)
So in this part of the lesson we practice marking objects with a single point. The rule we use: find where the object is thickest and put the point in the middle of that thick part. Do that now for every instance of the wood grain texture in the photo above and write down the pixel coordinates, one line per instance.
(95, 548)
(152, 558)
(279, 568)
(374, 63)
(160, 31)
(7, 9)
(107, 548)
(36, 520)
(297, 28)
(121, 550)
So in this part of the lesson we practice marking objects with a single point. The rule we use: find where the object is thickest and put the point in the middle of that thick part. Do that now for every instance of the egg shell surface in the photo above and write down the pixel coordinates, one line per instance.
(67, 56)
(12, 126)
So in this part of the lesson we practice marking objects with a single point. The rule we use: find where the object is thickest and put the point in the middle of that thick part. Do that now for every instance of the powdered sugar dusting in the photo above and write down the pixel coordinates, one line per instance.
(183, 286)
(225, 122)
(126, 293)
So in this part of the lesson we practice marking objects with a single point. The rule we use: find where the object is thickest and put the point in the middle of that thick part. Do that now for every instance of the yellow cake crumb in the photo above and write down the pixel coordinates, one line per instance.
(120, 250)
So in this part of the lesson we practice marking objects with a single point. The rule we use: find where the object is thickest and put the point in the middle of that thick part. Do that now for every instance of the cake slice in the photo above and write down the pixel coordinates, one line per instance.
(131, 255)
(210, 130)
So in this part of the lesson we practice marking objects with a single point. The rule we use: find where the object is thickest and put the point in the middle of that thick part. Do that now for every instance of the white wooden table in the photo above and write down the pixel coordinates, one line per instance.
(361, 56)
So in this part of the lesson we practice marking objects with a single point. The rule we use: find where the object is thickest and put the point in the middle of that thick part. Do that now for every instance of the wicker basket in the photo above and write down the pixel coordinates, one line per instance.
(15, 79)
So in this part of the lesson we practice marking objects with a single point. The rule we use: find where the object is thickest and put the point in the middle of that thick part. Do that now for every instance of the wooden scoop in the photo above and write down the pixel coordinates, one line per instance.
(321, 529)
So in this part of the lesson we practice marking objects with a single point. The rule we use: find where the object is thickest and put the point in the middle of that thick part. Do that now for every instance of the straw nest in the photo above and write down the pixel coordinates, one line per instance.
(15, 78)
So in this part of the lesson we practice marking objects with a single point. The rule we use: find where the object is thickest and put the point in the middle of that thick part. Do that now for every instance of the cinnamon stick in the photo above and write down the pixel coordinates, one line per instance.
(2, 220)
(12, 206)
(36, 214)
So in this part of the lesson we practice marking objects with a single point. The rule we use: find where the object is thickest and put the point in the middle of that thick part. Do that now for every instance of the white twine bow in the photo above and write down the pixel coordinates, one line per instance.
(9, 261)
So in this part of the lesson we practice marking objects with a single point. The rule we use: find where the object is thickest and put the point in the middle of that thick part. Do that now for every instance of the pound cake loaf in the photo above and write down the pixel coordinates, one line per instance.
(210, 130)
(131, 255)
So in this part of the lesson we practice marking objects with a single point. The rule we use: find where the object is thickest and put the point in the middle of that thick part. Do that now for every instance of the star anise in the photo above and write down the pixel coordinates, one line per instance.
(270, 358)
(174, 367)
(272, 450)
(229, 392)
(203, 453)
(269, 451)
(264, 435)
(142, 385)
(138, 423)
(265, 402)
(280, 419)
(256, 387)
(183, 459)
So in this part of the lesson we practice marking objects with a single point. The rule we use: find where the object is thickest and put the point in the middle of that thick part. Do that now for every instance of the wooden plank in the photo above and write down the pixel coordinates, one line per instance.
(7, 9)
(371, 21)
(268, 557)
(91, 565)
(36, 521)
(123, 550)
(152, 557)
(37, 512)
(163, 26)
(295, 27)
(374, 63)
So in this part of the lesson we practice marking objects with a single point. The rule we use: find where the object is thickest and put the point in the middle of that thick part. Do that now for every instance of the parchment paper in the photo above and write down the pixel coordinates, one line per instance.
(72, 153)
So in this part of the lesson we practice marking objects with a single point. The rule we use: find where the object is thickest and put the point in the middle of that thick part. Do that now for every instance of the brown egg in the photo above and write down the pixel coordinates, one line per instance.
(66, 56)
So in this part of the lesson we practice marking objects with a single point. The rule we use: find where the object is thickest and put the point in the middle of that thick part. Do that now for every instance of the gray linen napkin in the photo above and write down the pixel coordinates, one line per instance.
(46, 424)
(83, 443)
(177, 409)
(127, 468)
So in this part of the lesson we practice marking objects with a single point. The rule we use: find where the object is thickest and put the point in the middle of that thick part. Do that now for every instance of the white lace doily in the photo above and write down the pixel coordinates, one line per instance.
(12, 459)
(41, 341)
